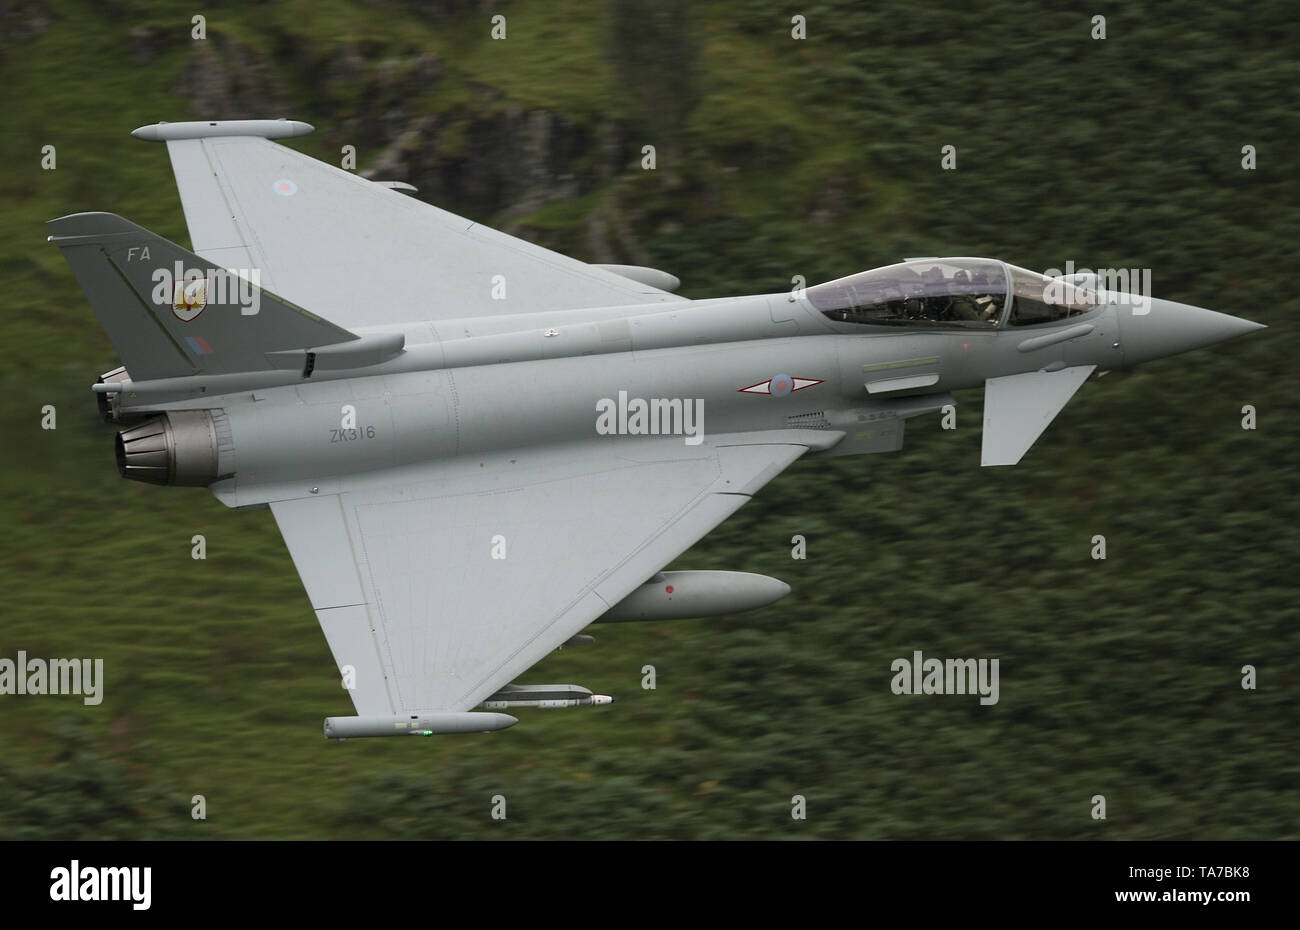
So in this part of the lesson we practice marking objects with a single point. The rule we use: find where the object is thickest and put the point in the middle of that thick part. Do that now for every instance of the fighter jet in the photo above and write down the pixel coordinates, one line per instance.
(475, 447)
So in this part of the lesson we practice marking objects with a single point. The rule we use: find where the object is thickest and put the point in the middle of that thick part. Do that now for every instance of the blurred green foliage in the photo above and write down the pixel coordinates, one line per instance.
(777, 157)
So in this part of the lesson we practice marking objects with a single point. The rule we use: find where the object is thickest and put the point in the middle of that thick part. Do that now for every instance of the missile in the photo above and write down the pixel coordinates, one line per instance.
(677, 595)
(550, 704)
(545, 696)
(415, 724)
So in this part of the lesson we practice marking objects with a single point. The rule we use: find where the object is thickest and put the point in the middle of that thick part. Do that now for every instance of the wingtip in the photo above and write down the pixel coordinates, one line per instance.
(204, 129)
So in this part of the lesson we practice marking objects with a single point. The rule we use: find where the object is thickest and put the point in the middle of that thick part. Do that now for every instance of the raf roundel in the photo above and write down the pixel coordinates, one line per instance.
(284, 187)
(779, 385)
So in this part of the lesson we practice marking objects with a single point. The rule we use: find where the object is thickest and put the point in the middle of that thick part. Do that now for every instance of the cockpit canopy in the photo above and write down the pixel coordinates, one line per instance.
(948, 293)
(1038, 299)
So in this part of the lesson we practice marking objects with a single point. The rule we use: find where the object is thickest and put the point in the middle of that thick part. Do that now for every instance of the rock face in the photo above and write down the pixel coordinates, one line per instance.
(23, 21)
(491, 157)
(226, 79)
(510, 159)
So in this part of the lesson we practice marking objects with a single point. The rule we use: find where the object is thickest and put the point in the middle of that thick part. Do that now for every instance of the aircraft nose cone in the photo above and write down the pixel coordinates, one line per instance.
(1170, 328)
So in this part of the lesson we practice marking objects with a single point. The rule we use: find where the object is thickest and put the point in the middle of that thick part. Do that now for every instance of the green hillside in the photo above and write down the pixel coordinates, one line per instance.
(775, 157)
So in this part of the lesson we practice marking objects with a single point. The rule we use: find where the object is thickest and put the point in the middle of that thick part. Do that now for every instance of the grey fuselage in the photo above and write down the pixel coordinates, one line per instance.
(478, 387)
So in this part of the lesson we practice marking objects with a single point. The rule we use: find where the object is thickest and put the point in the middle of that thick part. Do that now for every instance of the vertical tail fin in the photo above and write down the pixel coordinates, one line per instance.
(170, 313)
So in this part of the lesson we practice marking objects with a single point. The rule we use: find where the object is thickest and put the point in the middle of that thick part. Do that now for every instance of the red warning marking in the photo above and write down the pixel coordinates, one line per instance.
(669, 589)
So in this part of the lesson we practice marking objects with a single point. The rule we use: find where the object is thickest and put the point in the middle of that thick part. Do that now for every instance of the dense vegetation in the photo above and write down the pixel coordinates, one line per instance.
(776, 157)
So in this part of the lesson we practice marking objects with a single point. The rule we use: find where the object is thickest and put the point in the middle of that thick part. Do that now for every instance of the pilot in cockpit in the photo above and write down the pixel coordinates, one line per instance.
(965, 305)
(988, 304)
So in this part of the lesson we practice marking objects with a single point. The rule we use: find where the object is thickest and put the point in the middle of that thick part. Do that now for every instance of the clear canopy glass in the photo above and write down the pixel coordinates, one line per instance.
(1038, 299)
(941, 293)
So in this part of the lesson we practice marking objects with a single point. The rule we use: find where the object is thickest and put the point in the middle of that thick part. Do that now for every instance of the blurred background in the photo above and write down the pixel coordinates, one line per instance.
(775, 157)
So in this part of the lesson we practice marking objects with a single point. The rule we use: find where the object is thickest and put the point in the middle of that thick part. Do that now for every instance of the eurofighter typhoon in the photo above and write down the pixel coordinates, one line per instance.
(475, 447)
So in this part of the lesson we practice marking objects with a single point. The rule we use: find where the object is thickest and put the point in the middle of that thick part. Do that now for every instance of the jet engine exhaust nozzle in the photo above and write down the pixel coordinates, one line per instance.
(180, 447)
